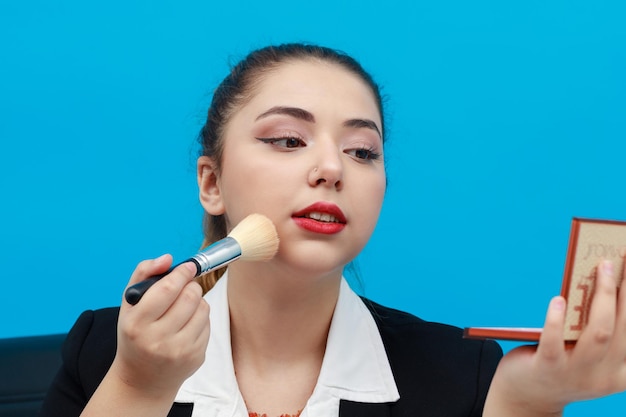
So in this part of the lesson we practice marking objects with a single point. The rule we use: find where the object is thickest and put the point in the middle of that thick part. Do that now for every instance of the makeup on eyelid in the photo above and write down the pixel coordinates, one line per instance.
(363, 152)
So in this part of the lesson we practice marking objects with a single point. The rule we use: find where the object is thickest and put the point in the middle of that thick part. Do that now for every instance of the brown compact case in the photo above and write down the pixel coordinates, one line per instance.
(591, 240)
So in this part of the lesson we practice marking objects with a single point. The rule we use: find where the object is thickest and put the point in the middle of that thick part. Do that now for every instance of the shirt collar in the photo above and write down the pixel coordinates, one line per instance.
(355, 365)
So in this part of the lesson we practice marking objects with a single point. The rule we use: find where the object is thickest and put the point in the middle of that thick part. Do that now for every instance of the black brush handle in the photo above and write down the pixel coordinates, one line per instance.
(135, 292)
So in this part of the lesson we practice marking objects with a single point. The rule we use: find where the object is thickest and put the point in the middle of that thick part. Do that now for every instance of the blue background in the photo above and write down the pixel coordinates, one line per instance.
(506, 119)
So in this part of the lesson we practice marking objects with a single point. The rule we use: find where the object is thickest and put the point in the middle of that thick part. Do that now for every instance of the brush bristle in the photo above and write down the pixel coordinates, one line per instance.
(257, 238)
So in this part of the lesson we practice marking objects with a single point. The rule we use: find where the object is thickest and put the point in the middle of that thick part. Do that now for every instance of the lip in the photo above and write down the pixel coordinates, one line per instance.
(317, 226)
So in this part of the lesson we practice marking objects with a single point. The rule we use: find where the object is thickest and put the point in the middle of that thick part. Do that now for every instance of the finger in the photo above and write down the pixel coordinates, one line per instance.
(619, 343)
(197, 329)
(150, 267)
(596, 336)
(147, 269)
(164, 292)
(201, 324)
(194, 337)
(183, 308)
(621, 292)
(551, 346)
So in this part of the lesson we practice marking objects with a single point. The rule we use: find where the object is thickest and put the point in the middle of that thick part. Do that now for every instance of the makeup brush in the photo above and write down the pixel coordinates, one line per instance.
(253, 239)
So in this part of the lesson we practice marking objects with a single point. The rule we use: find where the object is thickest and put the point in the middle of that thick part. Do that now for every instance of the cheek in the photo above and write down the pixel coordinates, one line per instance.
(371, 202)
(378, 194)
(379, 188)
(378, 197)
(252, 187)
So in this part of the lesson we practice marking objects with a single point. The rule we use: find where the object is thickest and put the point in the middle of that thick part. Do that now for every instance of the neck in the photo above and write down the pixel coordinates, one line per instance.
(279, 326)
(278, 319)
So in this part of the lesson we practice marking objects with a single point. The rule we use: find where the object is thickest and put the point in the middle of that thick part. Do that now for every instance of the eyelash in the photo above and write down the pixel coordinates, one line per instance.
(274, 141)
(371, 155)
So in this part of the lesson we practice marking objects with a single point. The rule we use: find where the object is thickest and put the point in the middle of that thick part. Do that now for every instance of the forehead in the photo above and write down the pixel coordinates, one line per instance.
(315, 85)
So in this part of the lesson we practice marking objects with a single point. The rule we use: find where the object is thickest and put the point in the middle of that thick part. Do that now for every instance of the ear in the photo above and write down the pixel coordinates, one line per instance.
(210, 194)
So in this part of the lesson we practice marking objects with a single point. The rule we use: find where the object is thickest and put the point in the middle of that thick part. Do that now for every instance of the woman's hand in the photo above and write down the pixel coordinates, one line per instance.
(160, 342)
(542, 380)
(162, 339)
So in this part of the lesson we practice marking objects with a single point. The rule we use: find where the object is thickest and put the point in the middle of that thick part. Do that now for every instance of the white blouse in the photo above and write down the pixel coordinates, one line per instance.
(355, 365)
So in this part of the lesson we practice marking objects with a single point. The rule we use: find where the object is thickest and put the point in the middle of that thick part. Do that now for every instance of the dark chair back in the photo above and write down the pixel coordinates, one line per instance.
(27, 367)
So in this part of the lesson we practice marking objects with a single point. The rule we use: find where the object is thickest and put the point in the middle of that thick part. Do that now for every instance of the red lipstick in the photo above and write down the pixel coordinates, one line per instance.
(321, 217)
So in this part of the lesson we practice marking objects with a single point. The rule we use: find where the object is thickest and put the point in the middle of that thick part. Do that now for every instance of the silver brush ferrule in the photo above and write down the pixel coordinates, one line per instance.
(218, 254)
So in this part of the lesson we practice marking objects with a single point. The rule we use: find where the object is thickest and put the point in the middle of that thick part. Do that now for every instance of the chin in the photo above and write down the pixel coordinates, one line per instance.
(322, 264)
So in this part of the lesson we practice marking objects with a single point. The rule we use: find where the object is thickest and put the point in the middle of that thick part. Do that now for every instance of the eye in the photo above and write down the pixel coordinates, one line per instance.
(366, 154)
(286, 142)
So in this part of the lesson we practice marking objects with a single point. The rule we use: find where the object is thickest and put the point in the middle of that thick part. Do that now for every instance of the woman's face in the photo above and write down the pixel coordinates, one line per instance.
(306, 151)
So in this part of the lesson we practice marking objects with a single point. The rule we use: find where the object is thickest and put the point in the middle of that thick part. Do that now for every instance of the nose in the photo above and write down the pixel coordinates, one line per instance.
(327, 166)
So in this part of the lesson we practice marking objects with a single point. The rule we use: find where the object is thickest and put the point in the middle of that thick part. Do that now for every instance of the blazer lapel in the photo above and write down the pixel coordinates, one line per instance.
(355, 409)
(181, 410)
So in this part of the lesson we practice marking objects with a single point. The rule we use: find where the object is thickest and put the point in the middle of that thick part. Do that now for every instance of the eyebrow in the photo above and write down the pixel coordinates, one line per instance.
(296, 112)
(362, 123)
(307, 116)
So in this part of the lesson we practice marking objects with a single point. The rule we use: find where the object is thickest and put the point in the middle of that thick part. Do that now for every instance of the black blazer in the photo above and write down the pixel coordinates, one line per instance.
(438, 373)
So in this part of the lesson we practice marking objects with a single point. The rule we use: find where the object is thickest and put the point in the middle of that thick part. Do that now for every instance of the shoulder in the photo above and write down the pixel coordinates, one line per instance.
(93, 329)
(94, 320)
(87, 353)
(432, 362)
(90, 346)
(399, 326)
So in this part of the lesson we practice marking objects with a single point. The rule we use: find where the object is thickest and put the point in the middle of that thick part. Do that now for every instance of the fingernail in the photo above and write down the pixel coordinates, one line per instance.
(191, 266)
(559, 304)
(160, 258)
(607, 267)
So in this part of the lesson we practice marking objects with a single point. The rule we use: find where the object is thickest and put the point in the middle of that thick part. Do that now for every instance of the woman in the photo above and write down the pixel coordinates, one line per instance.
(296, 133)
